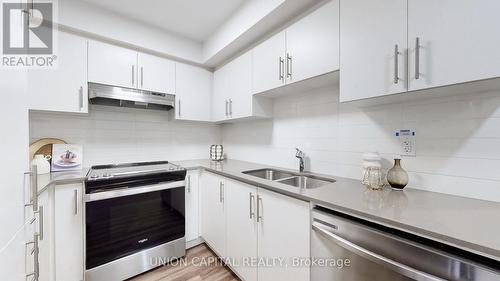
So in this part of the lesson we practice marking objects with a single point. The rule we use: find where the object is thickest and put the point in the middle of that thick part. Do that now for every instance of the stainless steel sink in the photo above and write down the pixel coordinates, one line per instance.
(269, 174)
(294, 179)
(307, 182)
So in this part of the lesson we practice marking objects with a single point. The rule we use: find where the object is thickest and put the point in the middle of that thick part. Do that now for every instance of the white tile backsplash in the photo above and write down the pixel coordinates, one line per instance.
(458, 139)
(114, 135)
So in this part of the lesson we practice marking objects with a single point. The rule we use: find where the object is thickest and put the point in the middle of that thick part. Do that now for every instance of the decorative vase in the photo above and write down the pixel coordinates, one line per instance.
(396, 176)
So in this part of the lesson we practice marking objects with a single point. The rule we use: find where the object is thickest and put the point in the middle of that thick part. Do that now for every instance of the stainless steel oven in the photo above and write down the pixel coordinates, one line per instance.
(351, 249)
(134, 215)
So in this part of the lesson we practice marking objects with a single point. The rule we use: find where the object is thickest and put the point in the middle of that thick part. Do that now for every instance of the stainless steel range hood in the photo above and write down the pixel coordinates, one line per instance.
(125, 97)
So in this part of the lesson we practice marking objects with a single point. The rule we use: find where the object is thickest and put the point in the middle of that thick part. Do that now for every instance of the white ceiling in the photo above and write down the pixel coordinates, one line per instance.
(195, 19)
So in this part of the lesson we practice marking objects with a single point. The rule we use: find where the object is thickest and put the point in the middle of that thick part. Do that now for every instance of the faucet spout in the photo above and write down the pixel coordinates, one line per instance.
(300, 154)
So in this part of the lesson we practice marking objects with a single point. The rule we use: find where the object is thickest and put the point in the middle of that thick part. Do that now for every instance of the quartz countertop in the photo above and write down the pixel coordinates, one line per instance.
(57, 178)
(466, 223)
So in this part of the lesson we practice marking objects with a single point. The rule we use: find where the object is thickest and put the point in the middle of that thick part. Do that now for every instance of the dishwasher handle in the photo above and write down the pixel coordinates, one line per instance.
(391, 264)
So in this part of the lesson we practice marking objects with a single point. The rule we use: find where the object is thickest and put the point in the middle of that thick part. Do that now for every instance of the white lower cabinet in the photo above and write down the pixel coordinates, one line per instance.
(192, 205)
(45, 242)
(247, 225)
(241, 227)
(283, 232)
(213, 227)
(68, 232)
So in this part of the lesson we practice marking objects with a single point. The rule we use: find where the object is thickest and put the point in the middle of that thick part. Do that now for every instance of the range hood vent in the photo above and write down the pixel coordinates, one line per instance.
(125, 97)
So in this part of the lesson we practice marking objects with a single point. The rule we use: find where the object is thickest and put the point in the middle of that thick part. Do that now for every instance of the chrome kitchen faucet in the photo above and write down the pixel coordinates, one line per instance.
(300, 154)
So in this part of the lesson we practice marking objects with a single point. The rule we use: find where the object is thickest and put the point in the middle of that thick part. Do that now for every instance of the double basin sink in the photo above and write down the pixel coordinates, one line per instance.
(299, 180)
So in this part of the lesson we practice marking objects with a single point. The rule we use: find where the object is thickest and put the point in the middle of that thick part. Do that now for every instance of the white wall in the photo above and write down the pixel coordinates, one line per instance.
(85, 17)
(14, 140)
(118, 135)
(458, 139)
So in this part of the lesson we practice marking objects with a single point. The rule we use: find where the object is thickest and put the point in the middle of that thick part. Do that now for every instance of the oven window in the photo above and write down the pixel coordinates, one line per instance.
(121, 226)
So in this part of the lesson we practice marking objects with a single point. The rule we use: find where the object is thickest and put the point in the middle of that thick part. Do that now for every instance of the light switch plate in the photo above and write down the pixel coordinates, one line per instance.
(407, 140)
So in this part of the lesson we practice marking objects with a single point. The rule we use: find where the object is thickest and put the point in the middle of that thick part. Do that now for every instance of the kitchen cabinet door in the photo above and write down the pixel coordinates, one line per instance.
(68, 234)
(458, 41)
(112, 65)
(220, 95)
(313, 44)
(241, 227)
(193, 93)
(268, 59)
(45, 239)
(155, 74)
(283, 231)
(64, 87)
(240, 86)
(192, 205)
(370, 65)
(213, 215)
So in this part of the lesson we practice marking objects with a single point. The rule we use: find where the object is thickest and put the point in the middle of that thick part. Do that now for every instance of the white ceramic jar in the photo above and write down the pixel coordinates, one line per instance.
(42, 164)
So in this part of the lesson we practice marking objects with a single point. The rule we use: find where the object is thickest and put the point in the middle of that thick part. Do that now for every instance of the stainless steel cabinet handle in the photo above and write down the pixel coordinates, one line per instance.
(288, 66)
(133, 74)
(189, 184)
(259, 213)
(142, 76)
(230, 107)
(40, 222)
(36, 265)
(221, 191)
(179, 111)
(396, 64)
(76, 201)
(281, 67)
(417, 58)
(80, 92)
(34, 188)
(252, 213)
(227, 103)
(391, 264)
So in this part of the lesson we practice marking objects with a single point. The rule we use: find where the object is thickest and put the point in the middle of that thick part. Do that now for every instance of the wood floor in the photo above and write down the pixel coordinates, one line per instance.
(193, 269)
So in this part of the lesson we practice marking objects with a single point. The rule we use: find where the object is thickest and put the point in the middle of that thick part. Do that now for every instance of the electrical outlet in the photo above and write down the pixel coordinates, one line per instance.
(407, 139)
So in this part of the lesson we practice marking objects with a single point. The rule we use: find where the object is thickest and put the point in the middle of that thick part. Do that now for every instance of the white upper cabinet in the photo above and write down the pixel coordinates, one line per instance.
(240, 86)
(220, 103)
(193, 93)
(445, 42)
(269, 64)
(112, 65)
(306, 49)
(233, 97)
(373, 40)
(63, 88)
(312, 44)
(459, 41)
(155, 74)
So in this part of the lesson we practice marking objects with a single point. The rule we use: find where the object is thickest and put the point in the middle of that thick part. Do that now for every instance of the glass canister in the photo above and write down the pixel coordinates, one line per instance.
(373, 178)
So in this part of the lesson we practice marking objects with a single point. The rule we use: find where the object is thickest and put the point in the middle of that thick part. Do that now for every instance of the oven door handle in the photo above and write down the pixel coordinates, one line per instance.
(132, 191)
(356, 249)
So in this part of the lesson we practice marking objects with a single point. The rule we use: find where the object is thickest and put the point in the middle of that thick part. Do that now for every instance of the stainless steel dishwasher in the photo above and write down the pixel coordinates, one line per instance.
(345, 248)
